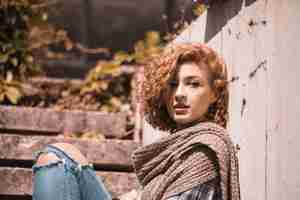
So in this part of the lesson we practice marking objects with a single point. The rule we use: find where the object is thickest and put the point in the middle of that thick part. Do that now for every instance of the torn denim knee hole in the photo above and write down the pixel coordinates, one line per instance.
(48, 165)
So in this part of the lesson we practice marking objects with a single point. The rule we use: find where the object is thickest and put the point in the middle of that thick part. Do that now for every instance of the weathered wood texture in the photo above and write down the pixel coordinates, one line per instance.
(18, 181)
(283, 108)
(260, 43)
(242, 46)
(116, 152)
(52, 121)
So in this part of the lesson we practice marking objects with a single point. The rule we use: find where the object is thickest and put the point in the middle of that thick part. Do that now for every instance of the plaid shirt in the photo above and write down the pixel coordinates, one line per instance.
(208, 191)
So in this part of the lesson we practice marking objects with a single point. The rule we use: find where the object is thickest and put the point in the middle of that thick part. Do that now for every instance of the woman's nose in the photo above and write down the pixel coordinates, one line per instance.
(180, 98)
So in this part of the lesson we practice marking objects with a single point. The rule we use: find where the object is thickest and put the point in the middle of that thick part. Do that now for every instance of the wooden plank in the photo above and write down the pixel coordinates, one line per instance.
(226, 28)
(284, 101)
(260, 43)
(117, 152)
(248, 96)
(15, 181)
(53, 121)
(18, 181)
(119, 183)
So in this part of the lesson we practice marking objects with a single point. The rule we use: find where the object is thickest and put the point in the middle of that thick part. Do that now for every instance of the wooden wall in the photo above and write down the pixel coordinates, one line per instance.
(259, 40)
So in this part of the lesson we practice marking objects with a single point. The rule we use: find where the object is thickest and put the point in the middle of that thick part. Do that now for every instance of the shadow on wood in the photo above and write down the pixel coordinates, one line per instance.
(249, 2)
(219, 14)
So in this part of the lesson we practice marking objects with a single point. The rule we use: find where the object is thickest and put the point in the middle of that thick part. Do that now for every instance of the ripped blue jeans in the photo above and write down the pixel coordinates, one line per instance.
(66, 179)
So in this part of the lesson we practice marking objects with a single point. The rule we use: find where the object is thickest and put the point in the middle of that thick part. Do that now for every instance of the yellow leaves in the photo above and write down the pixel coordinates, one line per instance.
(97, 81)
(92, 136)
(13, 94)
(105, 82)
(41, 35)
(147, 48)
(89, 135)
(152, 39)
(199, 9)
(14, 61)
(10, 89)
(6, 3)
(99, 77)
(121, 57)
(103, 69)
(94, 86)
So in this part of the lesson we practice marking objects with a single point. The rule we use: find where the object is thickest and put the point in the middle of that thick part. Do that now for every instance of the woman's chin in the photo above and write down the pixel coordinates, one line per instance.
(182, 119)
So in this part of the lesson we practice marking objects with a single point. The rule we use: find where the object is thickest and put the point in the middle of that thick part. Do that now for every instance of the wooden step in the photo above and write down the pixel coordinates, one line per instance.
(49, 121)
(107, 153)
(18, 181)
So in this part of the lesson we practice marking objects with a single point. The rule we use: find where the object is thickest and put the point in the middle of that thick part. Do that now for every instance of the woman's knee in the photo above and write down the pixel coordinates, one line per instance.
(72, 151)
(46, 159)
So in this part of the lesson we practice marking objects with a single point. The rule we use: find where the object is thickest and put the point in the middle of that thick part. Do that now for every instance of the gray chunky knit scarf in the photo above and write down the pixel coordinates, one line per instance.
(185, 159)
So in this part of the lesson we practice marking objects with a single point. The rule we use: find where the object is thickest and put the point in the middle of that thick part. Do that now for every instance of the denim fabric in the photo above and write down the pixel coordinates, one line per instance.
(66, 179)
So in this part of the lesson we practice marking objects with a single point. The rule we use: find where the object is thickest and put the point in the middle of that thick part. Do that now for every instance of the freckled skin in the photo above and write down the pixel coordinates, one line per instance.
(190, 82)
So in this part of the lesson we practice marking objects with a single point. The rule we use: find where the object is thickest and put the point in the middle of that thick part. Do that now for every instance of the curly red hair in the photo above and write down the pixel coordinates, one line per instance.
(160, 70)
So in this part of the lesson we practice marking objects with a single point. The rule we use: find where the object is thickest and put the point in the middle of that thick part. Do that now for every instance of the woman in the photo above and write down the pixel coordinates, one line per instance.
(185, 93)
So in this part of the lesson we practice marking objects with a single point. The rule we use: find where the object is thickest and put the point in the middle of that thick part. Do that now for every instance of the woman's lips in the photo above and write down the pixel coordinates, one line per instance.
(181, 109)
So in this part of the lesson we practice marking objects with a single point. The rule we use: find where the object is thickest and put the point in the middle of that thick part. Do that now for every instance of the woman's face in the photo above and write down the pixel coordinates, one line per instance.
(188, 94)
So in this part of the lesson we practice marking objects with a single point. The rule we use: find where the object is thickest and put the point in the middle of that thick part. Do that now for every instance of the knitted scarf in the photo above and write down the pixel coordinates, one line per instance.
(185, 159)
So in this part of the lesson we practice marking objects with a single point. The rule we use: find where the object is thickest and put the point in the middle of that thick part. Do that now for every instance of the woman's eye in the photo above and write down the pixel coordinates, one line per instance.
(194, 84)
(173, 83)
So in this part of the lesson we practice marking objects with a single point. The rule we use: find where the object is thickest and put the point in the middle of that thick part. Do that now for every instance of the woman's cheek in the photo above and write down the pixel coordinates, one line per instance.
(199, 103)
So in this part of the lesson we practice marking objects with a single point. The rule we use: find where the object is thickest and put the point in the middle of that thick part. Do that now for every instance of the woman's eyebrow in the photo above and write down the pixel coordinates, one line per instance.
(188, 78)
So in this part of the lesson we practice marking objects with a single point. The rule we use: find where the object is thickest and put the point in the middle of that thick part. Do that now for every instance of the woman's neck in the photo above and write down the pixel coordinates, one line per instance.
(186, 125)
